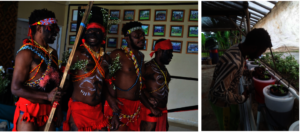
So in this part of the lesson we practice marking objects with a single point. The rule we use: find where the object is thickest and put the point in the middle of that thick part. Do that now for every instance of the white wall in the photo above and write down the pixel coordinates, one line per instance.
(282, 23)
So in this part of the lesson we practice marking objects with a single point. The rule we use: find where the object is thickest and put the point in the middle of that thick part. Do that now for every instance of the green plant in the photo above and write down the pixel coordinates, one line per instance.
(115, 66)
(79, 65)
(3, 80)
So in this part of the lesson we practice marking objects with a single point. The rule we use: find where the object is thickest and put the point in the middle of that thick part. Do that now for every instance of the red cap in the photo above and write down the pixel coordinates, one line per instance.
(164, 45)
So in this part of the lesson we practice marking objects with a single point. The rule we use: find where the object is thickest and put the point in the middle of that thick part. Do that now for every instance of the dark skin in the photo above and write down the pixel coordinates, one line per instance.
(89, 90)
(154, 80)
(126, 76)
(26, 60)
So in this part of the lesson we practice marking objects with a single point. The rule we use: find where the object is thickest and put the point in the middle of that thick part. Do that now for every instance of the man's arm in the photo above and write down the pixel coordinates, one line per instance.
(20, 75)
(224, 85)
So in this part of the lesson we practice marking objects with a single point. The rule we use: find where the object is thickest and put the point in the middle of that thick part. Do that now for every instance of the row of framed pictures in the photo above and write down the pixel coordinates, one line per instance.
(145, 15)
(191, 47)
(160, 30)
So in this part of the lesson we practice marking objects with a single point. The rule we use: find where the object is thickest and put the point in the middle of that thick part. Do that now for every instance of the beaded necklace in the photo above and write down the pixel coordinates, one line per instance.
(98, 65)
(164, 77)
(138, 73)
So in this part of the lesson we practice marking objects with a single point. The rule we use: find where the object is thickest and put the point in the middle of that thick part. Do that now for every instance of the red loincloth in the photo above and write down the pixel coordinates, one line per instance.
(86, 117)
(129, 108)
(33, 112)
(161, 122)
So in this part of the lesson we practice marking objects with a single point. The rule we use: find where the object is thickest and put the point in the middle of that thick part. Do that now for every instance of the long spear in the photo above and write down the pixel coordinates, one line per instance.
(55, 103)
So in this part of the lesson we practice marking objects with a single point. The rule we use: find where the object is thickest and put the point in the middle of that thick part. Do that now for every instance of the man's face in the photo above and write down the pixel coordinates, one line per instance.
(137, 39)
(257, 53)
(93, 36)
(50, 35)
(166, 56)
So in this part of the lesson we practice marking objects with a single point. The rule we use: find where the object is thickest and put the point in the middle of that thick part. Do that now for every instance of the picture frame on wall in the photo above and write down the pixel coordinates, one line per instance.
(114, 14)
(74, 14)
(144, 14)
(72, 39)
(145, 27)
(177, 15)
(160, 15)
(159, 30)
(177, 46)
(70, 50)
(112, 42)
(176, 31)
(192, 47)
(193, 15)
(128, 15)
(153, 44)
(73, 26)
(193, 31)
(123, 43)
(113, 29)
(146, 44)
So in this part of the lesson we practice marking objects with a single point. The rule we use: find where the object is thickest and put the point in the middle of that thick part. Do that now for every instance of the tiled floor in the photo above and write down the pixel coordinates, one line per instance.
(181, 127)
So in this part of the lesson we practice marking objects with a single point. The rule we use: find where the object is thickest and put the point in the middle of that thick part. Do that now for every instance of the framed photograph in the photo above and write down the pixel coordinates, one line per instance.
(72, 39)
(159, 30)
(70, 50)
(123, 43)
(160, 15)
(112, 42)
(177, 15)
(193, 15)
(114, 14)
(113, 29)
(144, 14)
(176, 31)
(128, 15)
(73, 26)
(153, 44)
(146, 43)
(74, 14)
(177, 46)
(146, 29)
(193, 31)
(192, 47)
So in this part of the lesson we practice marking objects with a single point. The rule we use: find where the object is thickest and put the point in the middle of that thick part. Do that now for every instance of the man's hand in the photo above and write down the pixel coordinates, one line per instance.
(51, 95)
(156, 112)
(152, 101)
(115, 122)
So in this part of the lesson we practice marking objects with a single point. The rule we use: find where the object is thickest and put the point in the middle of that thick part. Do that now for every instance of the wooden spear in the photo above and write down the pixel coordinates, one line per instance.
(55, 103)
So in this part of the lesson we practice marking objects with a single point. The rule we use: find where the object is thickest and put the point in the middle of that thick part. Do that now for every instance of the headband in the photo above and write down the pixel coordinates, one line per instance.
(95, 25)
(164, 45)
(46, 22)
(129, 31)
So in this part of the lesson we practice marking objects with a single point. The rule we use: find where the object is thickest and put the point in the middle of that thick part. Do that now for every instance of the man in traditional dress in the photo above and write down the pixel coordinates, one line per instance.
(90, 68)
(128, 80)
(224, 91)
(157, 80)
(36, 75)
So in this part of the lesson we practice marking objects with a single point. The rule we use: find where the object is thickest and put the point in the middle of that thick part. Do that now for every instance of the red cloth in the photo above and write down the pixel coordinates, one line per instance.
(161, 122)
(129, 108)
(33, 112)
(164, 45)
(213, 51)
(86, 117)
(95, 25)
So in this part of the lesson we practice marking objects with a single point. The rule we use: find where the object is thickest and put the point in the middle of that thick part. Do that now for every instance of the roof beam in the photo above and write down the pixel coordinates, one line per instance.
(236, 26)
(211, 6)
(255, 17)
(259, 11)
(222, 13)
(273, 2)
(219, 29)
(253, 14)
(261, 5)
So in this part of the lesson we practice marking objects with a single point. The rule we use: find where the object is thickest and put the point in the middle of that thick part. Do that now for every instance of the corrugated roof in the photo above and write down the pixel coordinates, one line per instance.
(216, 14)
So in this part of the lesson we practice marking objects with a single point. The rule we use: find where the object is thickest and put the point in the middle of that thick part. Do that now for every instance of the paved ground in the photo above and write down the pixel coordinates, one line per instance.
(208, 118)
(180, 127)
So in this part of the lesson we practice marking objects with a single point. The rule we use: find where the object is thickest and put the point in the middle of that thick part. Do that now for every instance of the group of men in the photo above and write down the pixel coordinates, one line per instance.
(135, 94)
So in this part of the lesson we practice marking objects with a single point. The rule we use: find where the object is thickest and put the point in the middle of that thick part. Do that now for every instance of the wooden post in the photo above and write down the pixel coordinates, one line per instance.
(248, 20)
(236, 25)
(85, 16)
